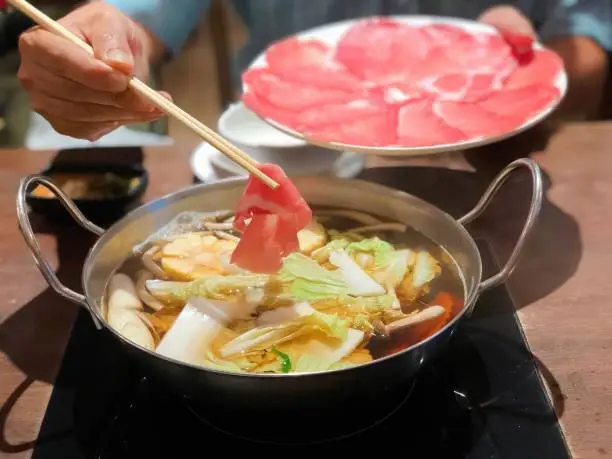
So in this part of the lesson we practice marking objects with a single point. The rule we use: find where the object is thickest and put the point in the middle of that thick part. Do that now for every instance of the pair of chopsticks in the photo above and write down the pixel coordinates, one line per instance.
(210, 136)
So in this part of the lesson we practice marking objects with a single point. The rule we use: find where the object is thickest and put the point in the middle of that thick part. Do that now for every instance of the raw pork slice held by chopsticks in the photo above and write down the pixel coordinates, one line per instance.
(269, 220)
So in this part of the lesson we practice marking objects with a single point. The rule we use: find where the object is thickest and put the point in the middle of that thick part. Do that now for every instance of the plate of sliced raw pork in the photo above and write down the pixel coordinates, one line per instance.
(404, 85)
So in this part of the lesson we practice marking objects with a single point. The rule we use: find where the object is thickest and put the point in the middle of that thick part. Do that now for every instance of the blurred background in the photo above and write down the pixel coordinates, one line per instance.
(198, 78)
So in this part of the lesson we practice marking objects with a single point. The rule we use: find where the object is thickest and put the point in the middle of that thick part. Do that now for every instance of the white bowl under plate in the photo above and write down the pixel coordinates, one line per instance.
(241, 126)
(267, 144)
(205, 156)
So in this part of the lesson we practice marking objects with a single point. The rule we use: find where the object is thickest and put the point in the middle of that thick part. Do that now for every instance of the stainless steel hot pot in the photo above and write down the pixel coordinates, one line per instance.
(285, 391)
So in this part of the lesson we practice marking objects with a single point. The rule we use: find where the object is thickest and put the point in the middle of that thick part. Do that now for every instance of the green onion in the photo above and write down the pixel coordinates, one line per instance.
(284, 359)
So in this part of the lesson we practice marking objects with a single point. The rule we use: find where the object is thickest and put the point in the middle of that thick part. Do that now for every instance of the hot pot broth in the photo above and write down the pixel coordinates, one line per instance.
(359, 289)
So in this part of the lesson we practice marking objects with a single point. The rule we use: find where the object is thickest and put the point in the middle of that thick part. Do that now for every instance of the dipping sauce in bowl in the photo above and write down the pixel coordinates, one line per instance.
(102, 192)
(90, 185)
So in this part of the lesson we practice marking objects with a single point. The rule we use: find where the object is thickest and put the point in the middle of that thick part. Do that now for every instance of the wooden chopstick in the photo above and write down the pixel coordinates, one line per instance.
(168, 107)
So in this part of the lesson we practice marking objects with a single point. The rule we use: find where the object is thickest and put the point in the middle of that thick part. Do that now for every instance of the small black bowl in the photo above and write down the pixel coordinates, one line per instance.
(99, 210)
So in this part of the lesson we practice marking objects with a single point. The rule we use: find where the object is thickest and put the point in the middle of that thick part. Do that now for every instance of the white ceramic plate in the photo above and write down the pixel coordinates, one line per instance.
(205, 156)
(331, 33)
(266, 144)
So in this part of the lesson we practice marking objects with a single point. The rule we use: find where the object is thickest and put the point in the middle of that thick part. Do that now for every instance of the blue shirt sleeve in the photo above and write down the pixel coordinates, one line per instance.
(170, 20)
(590, 18)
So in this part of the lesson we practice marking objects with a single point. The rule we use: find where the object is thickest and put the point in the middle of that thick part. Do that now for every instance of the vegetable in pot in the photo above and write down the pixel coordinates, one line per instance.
(330, 306)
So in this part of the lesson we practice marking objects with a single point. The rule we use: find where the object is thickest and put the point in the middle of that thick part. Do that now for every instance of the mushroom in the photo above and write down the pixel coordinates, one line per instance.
(355, 215)
(141, 277)
(130, 324)
(151, 265)
(224, 215)
(122, 293)
(227, 236)
(398, 227)
(214, 226)
(426, 314)
(124, 312)
(380, 327)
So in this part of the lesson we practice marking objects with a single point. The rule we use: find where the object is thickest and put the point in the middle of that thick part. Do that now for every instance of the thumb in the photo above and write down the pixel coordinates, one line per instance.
(110, 40)
(507, 19)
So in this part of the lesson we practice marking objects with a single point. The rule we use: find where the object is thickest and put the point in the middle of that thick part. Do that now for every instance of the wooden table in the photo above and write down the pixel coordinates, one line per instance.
(562, 286)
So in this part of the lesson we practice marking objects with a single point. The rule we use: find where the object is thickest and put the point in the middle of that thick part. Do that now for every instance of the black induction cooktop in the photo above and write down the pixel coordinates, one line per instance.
(483, 399)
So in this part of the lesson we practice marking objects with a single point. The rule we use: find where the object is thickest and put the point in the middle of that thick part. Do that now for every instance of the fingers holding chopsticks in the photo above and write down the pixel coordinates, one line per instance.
(79, 94)
(78, 31)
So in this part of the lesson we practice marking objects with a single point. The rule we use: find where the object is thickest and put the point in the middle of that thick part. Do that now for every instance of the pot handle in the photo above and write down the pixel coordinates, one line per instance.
(28, 234)
(534, 211)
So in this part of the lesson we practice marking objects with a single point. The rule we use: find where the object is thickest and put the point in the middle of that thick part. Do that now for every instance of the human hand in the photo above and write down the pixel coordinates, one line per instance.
(515, 27)
(81, 95)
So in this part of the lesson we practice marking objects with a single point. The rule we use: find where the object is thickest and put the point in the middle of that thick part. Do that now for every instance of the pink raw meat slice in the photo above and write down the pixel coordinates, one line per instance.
(291, 96)
(372, 131)
(309, 62)
(474, 120)
(363, 122)
(482, 53)
(521, 103)
(330, 115)
(462, 86)
(265, 109)
(444, 34)
(418, 125)
(381, 50)
(521, 44)
(499, 113)
(399, 94)
(544, 67)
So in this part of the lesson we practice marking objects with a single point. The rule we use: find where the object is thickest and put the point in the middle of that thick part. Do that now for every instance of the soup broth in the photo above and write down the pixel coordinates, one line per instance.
(360, 288)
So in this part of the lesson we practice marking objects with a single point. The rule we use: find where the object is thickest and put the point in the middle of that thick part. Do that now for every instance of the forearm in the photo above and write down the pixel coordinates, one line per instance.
(586, 64)
(152, 46)
(167, 23)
